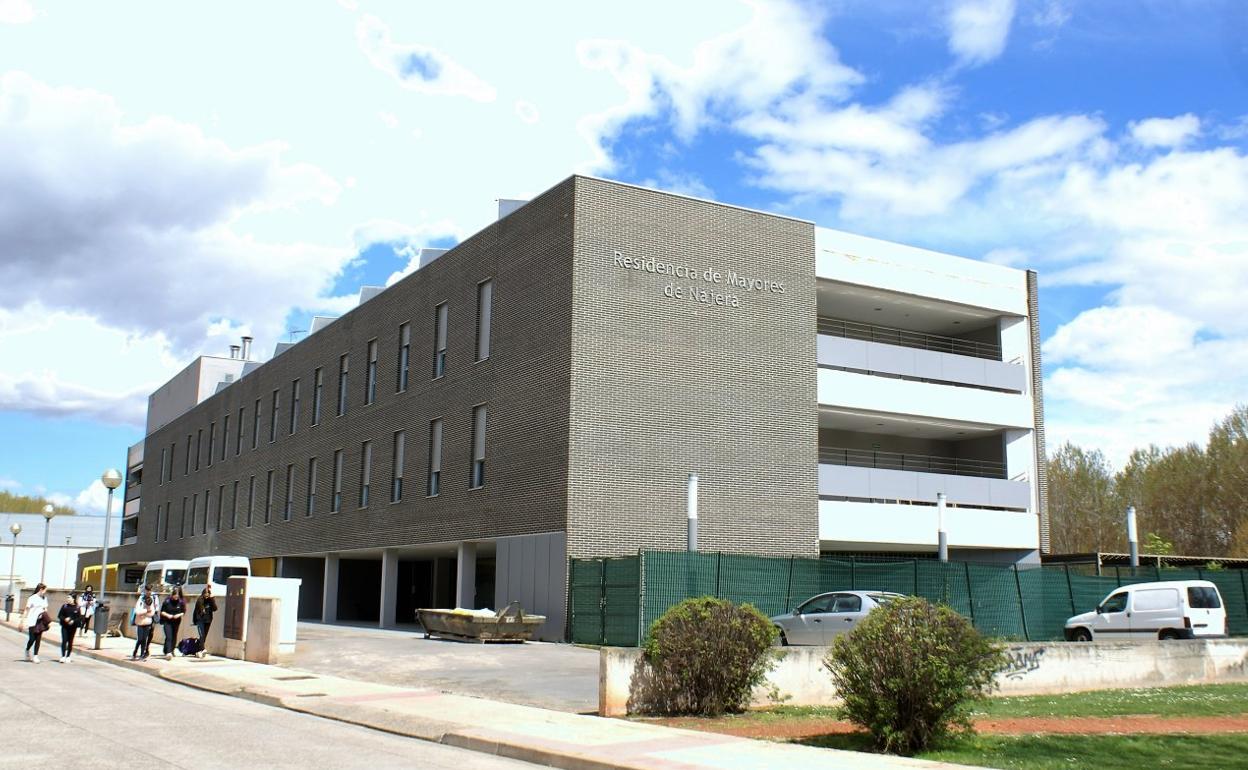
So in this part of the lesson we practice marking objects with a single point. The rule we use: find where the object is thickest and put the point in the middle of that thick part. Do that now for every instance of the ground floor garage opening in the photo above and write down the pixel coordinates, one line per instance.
(359, 590)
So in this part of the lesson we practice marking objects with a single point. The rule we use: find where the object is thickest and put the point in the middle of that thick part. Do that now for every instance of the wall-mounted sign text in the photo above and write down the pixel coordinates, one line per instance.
(706, 286)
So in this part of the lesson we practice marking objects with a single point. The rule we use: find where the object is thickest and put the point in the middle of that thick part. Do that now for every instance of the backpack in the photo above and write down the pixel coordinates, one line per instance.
(188, 646)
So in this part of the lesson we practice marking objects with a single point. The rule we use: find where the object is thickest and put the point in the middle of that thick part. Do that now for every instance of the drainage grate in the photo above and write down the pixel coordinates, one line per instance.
(295, 678)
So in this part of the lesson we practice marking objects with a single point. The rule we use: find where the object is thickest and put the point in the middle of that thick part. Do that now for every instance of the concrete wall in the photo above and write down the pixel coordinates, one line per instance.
(799, 678)
(533, 570)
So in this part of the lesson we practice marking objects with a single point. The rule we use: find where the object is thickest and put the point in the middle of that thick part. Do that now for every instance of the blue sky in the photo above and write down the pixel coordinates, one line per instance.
(171, 178)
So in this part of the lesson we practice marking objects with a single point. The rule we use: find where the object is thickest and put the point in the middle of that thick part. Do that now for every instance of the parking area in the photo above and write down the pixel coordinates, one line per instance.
(554, 676)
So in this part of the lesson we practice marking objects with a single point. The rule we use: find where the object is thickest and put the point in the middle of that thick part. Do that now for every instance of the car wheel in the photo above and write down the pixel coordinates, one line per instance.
(784, 640)
(1168, 635)
(1083, 635)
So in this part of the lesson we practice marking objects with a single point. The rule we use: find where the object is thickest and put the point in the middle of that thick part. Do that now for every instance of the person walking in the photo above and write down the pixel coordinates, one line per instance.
(69, 618)
(205, 608)
(36, 621)
(171, 611)
(86, 608)
(144, 613)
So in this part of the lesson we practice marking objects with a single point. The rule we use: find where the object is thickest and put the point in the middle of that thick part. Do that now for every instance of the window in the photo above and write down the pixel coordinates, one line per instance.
(1203, 598)
(212, 442)
(222, 575)
(396, 478)
(268, 498)
(366, 470)
(238, 443)
(199, 446)
(318, 382)
(370, 374)
(168, 516)
(433, 486)
(343, 365)
(251, 498)
(172, 447)
(277, 402)
(186, 466)
(1115, 603)
(405, 356)
(234, 507)
(225, 437)
(478, 447)
(220, 504)
(194, 512)
(819, 604)
(182, 522)
(255, 426)
(336, 501)
(311, 487)
(847, 603)
(485, 302)
(290, 492)
(156, 539)
(294, 407)
(162, 471)
(203, 527)
(439, 340)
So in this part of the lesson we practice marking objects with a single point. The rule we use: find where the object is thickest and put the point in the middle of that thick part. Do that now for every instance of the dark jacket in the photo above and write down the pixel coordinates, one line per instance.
(69, 615)
(172, 606)
(204, 610)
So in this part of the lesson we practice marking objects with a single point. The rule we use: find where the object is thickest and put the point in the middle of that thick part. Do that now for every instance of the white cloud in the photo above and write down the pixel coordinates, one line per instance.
(527, 111)
(9, 484)
(420, 68)
(389, 119)
(1166, 132)
(978, 29)
(16, 12)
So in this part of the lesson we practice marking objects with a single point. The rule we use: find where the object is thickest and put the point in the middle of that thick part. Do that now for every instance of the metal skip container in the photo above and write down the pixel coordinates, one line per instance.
(510, 624)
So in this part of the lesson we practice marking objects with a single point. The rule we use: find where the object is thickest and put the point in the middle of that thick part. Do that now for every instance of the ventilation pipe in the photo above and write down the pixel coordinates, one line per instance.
(942, 537)
(246, 348)
(1133, 541)
(234, 351)
(691, 508)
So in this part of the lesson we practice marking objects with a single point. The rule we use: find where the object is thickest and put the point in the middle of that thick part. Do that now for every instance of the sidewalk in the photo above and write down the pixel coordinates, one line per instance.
(552, 738)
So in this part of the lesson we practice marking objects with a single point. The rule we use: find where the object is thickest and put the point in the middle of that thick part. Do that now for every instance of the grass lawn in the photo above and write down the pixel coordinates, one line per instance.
(1102, 752)
(1193, 701)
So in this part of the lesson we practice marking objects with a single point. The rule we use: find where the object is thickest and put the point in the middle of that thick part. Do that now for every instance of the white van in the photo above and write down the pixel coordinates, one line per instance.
(163, 575)
(215, 571)
(1177, 609)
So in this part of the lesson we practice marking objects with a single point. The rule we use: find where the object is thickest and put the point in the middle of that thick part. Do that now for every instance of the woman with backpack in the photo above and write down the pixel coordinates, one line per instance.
(144, 612)
(171, 611)
(36, 621)
(69, 618)
(86, 608)
(205, 608)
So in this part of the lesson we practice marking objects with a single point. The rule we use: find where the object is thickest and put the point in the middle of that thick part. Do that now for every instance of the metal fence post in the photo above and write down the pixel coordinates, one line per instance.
(788, 590)
(1022, 611)
(853, 577)
(1070, 589)
(719, 560)
(970, 594)
(641, 595)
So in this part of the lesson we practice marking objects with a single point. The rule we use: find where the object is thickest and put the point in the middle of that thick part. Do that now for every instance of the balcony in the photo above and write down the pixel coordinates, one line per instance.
(918, 463)
(938, 343)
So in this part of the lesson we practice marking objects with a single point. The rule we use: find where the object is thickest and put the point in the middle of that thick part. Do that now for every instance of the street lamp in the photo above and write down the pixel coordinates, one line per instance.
(110, 479)
(65, 565)
(16, 529)
(48, 513)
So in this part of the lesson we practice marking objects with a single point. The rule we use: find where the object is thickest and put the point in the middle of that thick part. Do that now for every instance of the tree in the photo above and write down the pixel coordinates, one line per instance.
(1082, 505)
(11, 503)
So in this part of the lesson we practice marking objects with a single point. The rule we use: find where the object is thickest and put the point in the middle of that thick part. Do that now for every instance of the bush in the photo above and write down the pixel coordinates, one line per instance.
(704, 656)
(909, 673)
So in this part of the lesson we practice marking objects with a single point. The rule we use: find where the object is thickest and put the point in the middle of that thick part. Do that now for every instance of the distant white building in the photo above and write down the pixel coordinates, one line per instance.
(68, 536)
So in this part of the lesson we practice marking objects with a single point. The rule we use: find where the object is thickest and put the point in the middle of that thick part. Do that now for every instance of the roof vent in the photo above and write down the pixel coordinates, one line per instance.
(508, 205)
(234, 349)
(246, 353)
(368, 292)
(428, 255)
(320, 322)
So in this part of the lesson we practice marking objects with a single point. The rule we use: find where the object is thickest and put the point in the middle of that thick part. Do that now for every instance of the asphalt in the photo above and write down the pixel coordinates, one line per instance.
(527, 733)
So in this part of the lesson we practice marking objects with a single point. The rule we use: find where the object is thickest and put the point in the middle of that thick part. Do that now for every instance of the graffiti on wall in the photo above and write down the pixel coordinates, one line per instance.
(1021, 661)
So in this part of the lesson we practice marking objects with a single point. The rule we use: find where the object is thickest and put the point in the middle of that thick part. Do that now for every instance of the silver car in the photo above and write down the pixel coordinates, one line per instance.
(820, 619)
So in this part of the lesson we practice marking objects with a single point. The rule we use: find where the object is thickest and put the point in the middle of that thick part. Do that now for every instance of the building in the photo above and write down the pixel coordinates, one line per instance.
(544, 389)
(68, 537)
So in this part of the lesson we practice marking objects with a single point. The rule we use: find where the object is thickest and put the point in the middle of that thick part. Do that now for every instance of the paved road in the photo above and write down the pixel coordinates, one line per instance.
(553, 676)
(89, 714)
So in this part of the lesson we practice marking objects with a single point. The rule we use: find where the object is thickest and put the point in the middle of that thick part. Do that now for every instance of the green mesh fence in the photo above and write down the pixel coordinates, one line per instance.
(614, 601)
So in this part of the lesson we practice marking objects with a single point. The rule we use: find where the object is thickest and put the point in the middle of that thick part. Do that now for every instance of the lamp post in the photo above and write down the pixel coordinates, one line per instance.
(16, 529)
(65, 565)
(110, 479)
(48, 513)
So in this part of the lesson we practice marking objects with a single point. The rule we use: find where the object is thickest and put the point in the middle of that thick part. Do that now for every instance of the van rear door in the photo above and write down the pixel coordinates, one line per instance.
(1154, 609)
(1206, 610)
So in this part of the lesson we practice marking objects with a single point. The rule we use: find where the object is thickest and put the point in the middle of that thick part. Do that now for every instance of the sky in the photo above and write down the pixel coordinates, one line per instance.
(175, 175)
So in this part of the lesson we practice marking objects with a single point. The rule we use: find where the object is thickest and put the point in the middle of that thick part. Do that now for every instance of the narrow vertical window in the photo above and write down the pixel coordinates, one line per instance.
(370, 374)
(194, 512)
(290, 492)
(238, 442)
(251, 498)
(343, 366)
(156, 538)
(268, 497)
(234, 507)
(485, 303)
(186, 466)
(318, 383)
(434, 484)
(311, 487)
(162, 470)
(405, 356)
(182, 521)
(478, 447)
(172, 451)
(212, 442)
(439, 340)
(277, 402)
(336, 501)
(366, 471)
(255, 426)
(294, 407)
(225, 437)
(204, 525)
(396, 477)
(168, 516)
(220, 504)
(199, 446)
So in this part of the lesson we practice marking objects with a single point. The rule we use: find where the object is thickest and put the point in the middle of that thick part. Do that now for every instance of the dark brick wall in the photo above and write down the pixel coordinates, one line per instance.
(525, 382)
(665, 386)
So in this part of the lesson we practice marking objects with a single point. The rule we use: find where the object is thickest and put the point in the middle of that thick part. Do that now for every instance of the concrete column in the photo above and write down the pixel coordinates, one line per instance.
(329, 601)
(389, 586)
(466, 576)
